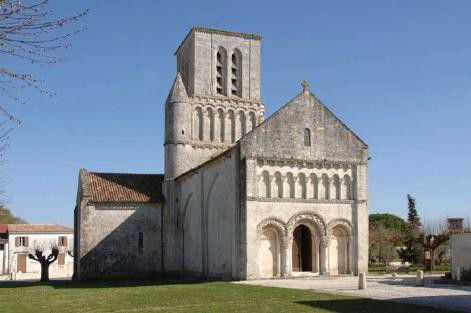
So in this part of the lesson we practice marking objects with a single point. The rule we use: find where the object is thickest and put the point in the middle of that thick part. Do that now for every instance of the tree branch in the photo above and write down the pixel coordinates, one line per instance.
(30, 32)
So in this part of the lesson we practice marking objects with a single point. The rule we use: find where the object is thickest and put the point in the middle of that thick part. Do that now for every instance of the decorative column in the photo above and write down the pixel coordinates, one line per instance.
(285, 189)
(350, 251)
(332, 189)
(238, 125)
(342, 191)
(315, 247)
(270, 186)
(286, 256)
(328, 190)
(324, 266)
(217, 125)
(207, 124)
(295, 186)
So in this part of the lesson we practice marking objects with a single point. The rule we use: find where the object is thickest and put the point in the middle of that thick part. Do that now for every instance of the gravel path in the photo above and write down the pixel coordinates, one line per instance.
(401, 289)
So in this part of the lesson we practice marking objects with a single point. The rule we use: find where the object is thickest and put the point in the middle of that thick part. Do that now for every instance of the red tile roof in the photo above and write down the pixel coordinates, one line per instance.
(113, 187)
(37, 228)
(3, 228)
(461, 231)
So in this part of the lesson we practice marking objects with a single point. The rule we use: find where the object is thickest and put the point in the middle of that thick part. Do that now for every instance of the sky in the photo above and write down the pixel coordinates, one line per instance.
(398, 73)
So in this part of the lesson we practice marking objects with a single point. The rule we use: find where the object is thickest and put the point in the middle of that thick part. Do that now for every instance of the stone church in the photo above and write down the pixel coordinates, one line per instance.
(242, 196)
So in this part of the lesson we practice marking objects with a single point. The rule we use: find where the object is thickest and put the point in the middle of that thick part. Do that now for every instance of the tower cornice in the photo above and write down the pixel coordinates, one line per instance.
(217, 32)
(230, 99)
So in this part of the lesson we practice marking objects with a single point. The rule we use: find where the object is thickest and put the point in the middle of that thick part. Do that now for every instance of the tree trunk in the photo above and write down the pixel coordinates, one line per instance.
(44, 271)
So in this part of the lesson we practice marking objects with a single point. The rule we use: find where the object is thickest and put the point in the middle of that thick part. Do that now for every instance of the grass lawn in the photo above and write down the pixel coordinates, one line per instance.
(171, 296)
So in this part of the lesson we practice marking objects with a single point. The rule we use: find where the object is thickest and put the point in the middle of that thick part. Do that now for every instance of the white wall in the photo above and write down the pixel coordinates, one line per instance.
(208, 212)
(33, 268)
(460, 252)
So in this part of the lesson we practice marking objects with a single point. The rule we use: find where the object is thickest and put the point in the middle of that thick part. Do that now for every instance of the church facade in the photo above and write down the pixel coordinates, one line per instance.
(242, 197)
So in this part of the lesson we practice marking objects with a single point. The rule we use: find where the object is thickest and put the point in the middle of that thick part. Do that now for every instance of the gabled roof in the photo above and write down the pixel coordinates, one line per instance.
(37, 228)
(303, 93)
(116, 187)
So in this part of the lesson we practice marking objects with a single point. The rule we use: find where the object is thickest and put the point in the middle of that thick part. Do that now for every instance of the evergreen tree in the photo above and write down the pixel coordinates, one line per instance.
(413, 251)
(412, 217)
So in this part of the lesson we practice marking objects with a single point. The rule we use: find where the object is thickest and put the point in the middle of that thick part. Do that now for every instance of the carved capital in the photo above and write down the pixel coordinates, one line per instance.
(325, 241)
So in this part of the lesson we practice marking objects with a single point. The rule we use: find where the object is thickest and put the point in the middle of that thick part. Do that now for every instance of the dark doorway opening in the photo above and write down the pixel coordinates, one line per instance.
(302, 249)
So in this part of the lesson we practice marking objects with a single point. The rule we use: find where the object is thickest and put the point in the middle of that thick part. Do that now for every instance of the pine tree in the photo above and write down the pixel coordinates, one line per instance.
(412, 217)
(413, 251)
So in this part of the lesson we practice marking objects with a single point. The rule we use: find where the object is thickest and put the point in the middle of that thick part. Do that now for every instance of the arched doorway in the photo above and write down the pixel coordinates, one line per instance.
(339, 254)
(302, 249)
(269, 253)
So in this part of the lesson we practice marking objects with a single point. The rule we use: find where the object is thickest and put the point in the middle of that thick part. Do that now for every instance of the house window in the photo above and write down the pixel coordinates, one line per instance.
(62, 241)
(307, 137)
(1, 247)
(21, 241)
(141, 242)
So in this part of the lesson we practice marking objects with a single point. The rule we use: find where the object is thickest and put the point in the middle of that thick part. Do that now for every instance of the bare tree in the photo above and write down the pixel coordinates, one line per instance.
(435, 233)
(29, 32)
(39, 255)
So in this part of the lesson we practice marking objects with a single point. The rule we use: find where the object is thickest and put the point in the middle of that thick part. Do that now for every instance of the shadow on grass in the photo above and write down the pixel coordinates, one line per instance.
(373, 306)
(110, 283)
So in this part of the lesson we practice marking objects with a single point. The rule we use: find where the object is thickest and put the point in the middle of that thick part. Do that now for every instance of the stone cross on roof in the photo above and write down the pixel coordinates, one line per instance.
(305, 85)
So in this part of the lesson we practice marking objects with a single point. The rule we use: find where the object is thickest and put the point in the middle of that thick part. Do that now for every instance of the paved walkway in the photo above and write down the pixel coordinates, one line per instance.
(401, 289)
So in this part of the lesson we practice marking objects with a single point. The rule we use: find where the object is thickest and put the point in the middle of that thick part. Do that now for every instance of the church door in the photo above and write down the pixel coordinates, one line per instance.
(302, 249)
(268, 253)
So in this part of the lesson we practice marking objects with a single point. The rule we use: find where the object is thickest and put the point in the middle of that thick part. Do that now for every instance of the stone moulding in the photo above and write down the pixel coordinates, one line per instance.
(117, 206)
(307, 216)
(305, 164)
(224, 99)
(297, 200)
(274, 223)
(217, 32)
(340, 221)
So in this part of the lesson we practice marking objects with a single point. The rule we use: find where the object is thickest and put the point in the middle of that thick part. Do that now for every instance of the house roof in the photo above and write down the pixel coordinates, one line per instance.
(37, 228)
(461, 231)
(3, 229)
(115, 187)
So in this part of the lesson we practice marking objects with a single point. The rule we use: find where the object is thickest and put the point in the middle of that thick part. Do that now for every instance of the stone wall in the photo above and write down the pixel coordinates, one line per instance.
(283, 135)
(198, 54)
(217, 119)
(110, 240)
(320, 166)
(207, 219)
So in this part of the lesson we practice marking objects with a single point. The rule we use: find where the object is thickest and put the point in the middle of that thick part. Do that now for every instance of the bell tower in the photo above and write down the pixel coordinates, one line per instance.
(215, 99)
